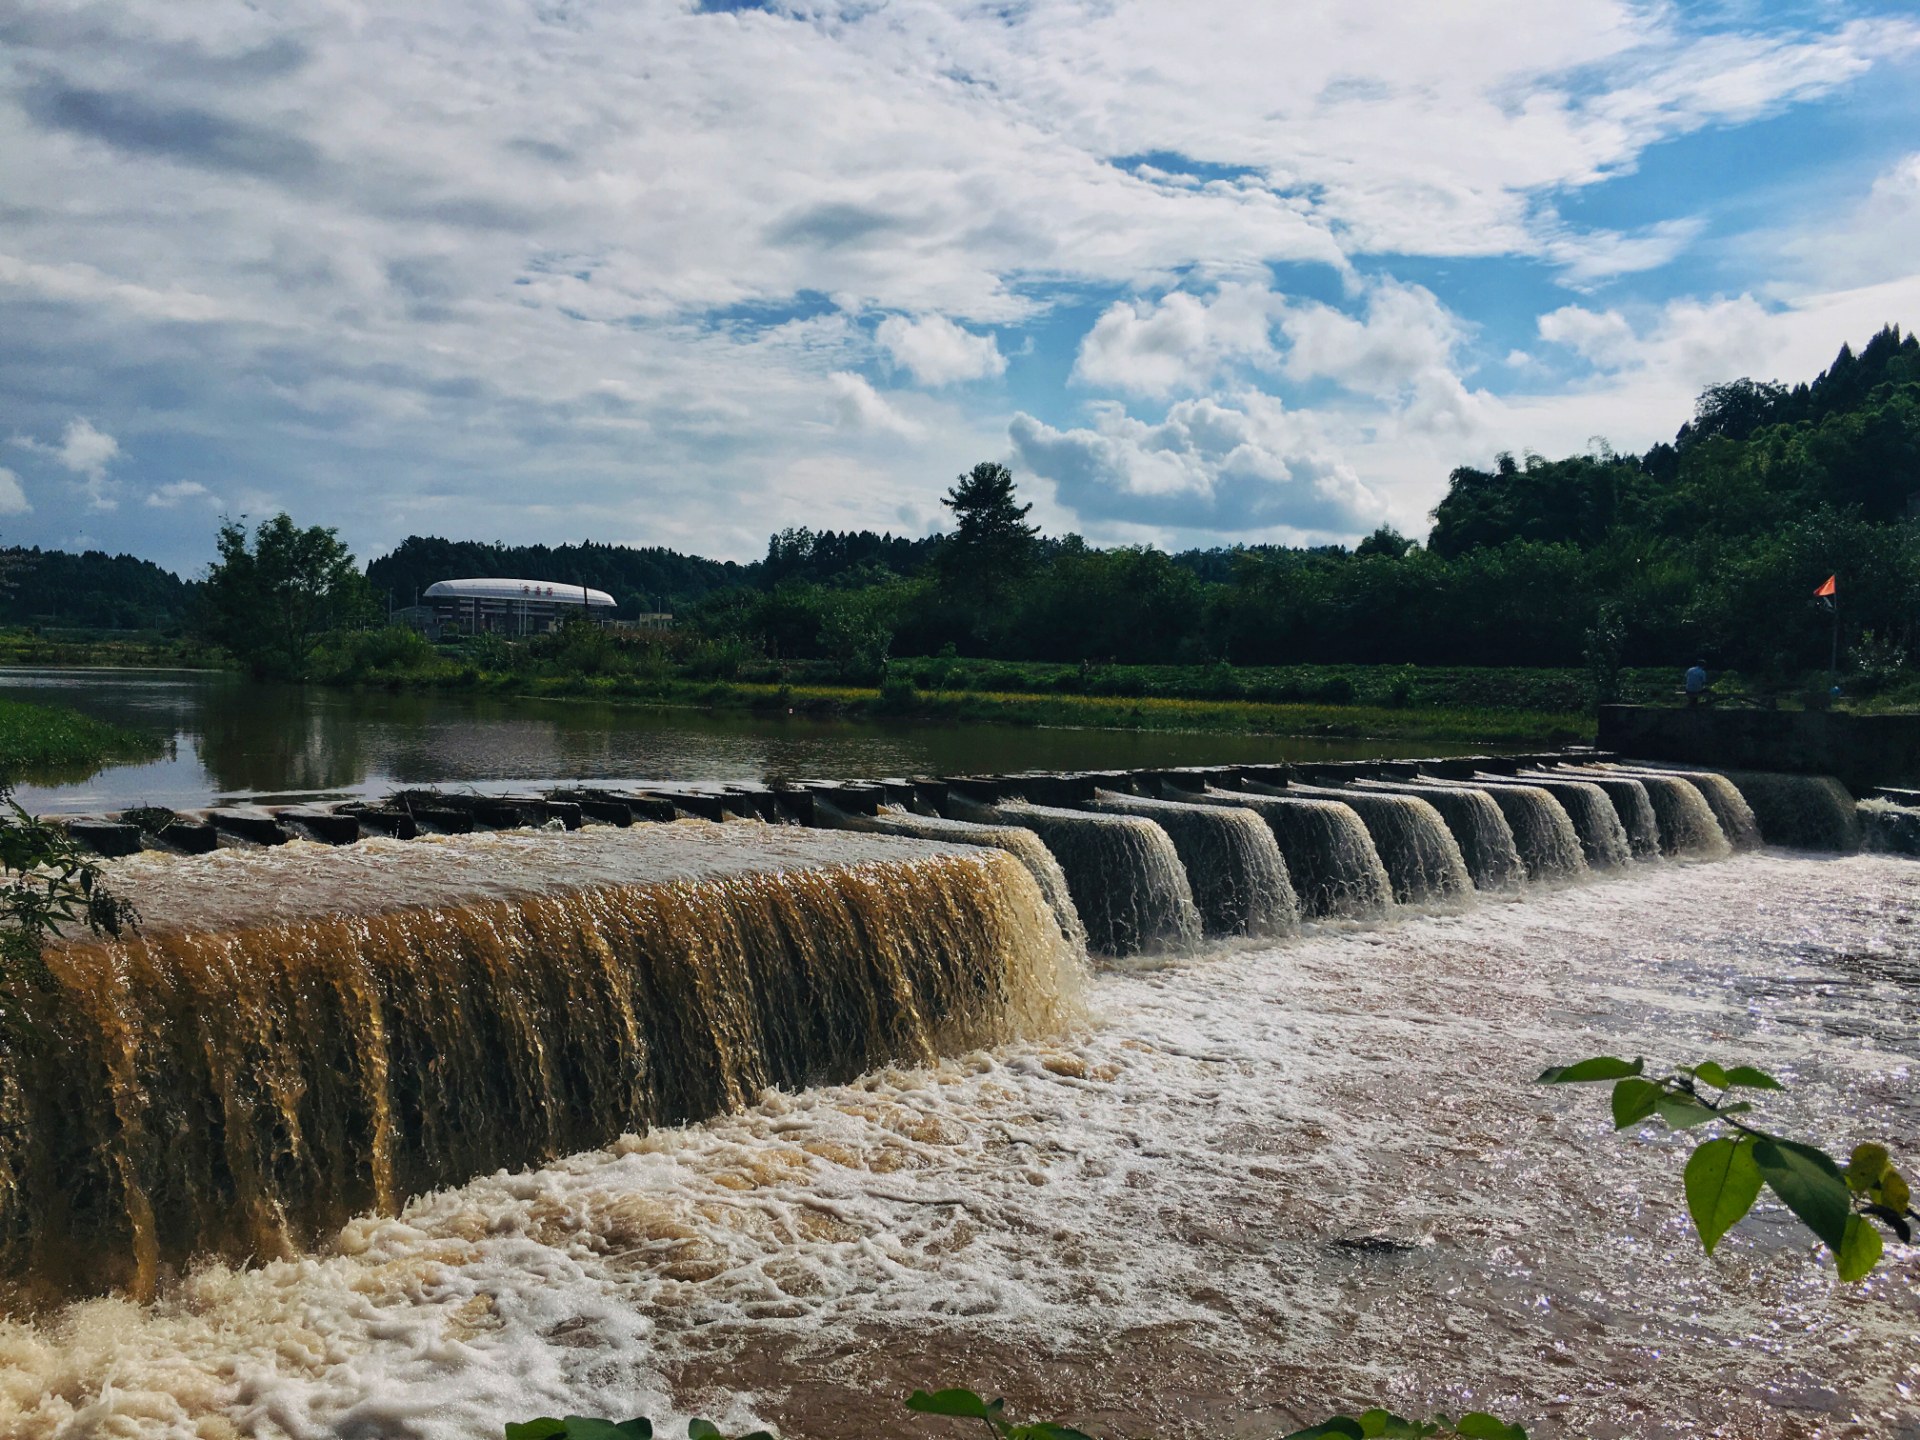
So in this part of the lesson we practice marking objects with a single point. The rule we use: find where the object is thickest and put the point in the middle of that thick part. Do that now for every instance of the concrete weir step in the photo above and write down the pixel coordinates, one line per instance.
(405, 814)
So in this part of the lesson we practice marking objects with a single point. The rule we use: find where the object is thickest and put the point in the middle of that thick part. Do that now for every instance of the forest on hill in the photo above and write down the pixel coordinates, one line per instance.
(1706, 547)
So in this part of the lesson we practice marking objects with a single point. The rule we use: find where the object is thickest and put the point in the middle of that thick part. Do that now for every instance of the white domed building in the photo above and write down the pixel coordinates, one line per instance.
(512, 607)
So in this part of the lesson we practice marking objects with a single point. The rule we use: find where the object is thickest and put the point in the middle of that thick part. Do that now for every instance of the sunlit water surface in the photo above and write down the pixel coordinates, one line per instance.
(1149, 1227)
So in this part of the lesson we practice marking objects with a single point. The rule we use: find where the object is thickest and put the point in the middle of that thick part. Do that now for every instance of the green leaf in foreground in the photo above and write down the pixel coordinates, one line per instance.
(1599, 1067)
(1478, 1425)
(1722, 1181)
(1810, 1185)
(1865, 1167)
(1859, 1250)
(1753, 1079)
(1711, 1073)
(1344, 1426)
(1682, 1112)
(1633, 1101)
(545, 1428)
(960, 1404)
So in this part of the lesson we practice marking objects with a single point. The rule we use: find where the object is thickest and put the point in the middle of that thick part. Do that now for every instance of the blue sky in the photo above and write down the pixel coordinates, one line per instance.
(661, 273)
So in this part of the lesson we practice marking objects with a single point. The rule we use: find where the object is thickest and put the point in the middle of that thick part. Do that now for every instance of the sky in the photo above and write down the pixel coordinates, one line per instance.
(657, 273)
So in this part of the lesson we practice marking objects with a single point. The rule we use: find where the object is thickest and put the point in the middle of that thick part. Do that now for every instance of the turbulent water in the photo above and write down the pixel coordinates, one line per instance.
(1633, 806)
(302, 1034)
(1017, 841)
(1481, 831)
(1420, 854)
(1127, 880)
(1687, 826)
(1330, 857)
(1240, 883)
(1731, 811)
(1261, 1187)
(1603, 837)
(1543, 832)
(1804, 812)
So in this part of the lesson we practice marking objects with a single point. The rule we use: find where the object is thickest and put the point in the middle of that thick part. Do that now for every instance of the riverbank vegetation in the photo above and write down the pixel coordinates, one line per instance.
(47, 738)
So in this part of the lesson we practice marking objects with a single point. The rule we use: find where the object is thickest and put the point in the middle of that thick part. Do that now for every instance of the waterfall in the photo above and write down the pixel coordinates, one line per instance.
(1022, 844)
(1632, 805)
(1125, 876)
(1478, 826)
(1730, 809)
(1542, 832)
(1239, 880)
(1687, 826)
(1603, 838)
(1889, 828)
(1415, 845)
(1802, 812)
(1330, 857)
(302, 1034)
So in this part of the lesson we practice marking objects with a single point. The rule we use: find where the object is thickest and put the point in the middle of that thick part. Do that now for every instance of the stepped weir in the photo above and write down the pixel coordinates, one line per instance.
(328, 1010)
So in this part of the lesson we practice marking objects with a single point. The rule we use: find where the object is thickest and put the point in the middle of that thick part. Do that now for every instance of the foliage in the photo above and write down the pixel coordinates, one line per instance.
(53, 739)
(992, 545)
(1725, 1175)
(1474, 1425)
(272, 600)
(92, 590)
(48, 884)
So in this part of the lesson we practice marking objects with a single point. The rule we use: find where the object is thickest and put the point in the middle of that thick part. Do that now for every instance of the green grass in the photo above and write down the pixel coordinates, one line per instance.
(131, 649)
(45, 740)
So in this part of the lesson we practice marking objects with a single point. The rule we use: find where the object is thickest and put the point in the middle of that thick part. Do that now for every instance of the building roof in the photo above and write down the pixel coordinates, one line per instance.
(501, 589)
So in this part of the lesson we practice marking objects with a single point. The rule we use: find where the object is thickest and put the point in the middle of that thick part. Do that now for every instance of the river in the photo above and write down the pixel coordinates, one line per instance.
(1260, 1183)
(231, 740)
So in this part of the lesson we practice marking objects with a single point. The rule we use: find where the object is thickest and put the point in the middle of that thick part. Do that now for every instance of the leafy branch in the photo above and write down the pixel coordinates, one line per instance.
(1724, 1175)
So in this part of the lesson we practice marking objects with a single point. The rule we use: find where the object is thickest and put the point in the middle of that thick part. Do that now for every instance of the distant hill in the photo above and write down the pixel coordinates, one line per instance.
(1756, 456)
(92, 591)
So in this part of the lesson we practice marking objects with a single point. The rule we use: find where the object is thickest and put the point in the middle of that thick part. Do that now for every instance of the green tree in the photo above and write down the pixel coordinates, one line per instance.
(991, 544)
(272, 599)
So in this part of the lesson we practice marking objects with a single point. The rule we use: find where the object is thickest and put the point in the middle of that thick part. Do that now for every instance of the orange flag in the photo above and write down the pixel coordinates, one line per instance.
(1829, 588)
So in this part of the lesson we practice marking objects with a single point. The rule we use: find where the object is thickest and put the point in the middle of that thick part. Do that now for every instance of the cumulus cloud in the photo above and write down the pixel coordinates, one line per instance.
(495, 276)
(171, 494)
(13, 499)
(1691, 342)
(85, 451)
(938, 352)
(1181, 341)
(858, 406)
(1249, 465)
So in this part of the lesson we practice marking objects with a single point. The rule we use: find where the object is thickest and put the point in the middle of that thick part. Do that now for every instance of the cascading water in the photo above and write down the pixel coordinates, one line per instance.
(1478, 826)
(1802, 812)
(1330, 857)
(302, 1034)
(1888, 828)
(1730, 809)
(1633, 806)
(1543, 832)
(1234, 866)
(1125, 876)
(1687, 826)
(1415, 845)
(1021, 843)
(1603, 838)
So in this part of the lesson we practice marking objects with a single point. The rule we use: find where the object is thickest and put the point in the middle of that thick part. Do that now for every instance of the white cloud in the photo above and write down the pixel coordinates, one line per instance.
(85, 451)
(1178, 342)
(858, 406)
(171, 494)
(938, 352)
(13, 499)
(1872, 243)
(1249, 466)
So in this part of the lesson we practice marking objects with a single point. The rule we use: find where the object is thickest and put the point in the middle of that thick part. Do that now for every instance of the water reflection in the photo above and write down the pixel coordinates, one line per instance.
(236, 740)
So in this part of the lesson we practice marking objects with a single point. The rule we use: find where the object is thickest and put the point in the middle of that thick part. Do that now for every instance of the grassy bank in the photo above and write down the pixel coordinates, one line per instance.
(64, 744)
(124, 649)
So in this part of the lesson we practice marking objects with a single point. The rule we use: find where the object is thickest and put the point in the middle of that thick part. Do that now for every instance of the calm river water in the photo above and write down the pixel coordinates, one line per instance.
(233, 740)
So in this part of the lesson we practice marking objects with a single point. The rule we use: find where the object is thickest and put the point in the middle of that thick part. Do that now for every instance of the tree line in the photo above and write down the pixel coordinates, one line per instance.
(1705, 547)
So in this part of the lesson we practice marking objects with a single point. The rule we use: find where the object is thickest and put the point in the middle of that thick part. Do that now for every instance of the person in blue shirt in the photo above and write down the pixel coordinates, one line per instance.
(1696, 682)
